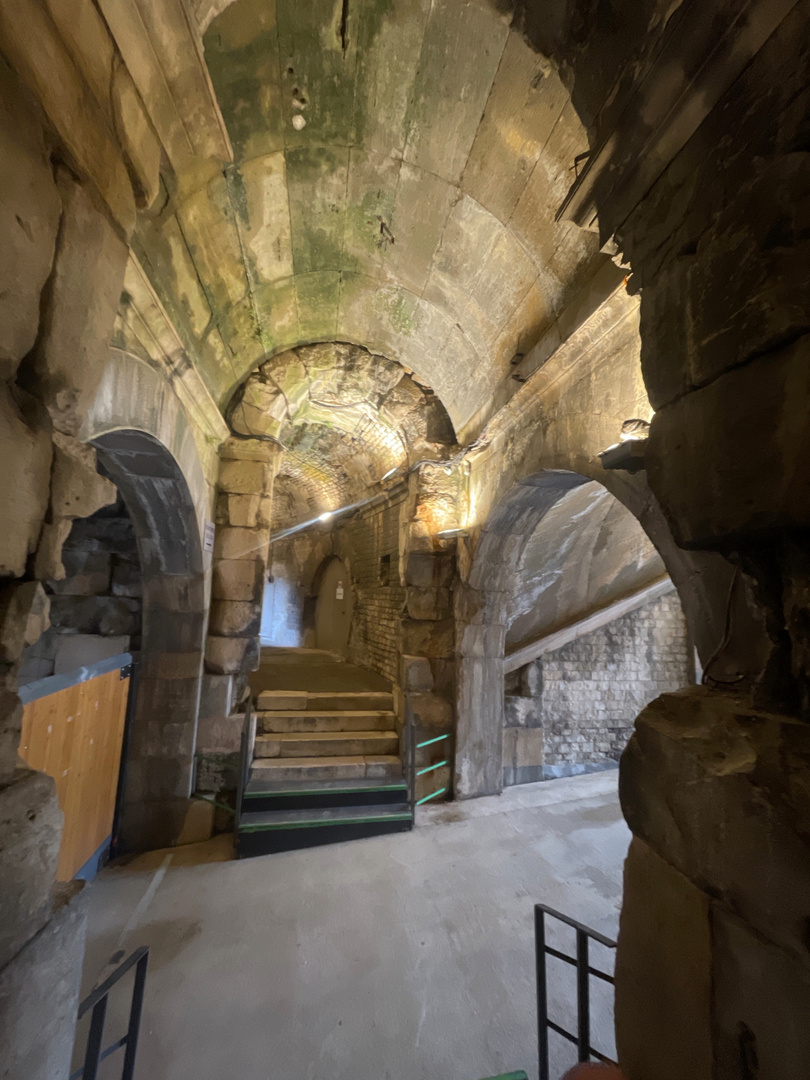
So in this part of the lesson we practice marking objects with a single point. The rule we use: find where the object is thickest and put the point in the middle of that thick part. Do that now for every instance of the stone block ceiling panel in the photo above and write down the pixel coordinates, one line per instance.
(397, 168)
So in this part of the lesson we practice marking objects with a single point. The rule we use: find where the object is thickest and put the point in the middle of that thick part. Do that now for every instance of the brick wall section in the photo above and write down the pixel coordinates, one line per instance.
(379, 598)
(588, 694)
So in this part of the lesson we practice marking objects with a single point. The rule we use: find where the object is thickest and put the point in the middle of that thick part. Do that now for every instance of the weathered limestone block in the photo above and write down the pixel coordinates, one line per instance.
(435, 604)
(221, 734)
(748, 289)
(25, 451)
(663, 973)
(126, 578)
(140, 144)
(10, 725)
(761, 995)
(429, 571)
(82, 301)
(29, 219)
(720, 791)
(733, 458)
(523, 755)
(87, 573)
(427, 638)
(108, 615)
(232, 618)
(39, 995)
(244, 477)
(520, 712)
(216, 695)
(48, 563)
(233, 543)
(416, 674)
(238, 579)
(230, 655)
(430, 711)
(244, 511)
(29, 851)
(24, 617)
(77, 488)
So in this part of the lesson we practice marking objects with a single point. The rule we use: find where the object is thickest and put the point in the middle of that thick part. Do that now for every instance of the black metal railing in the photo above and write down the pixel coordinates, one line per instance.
(97, 1001)
(582, 1039)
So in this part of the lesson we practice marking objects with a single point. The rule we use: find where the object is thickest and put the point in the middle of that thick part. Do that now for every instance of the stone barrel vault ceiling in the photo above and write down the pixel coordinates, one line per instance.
(397, 167)
(346, 419)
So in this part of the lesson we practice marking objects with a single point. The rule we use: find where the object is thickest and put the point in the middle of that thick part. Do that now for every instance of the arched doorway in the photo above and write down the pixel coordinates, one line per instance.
(488, 609)
(158, 771)
(333, 606)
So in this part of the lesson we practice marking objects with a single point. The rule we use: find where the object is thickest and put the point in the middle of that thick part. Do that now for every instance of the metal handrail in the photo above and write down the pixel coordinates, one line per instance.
(413, 772)
(97, 1001)
(581, 962)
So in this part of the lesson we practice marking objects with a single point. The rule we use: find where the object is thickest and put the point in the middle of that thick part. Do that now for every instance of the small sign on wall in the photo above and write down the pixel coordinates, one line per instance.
(339, 591)
(208, 536)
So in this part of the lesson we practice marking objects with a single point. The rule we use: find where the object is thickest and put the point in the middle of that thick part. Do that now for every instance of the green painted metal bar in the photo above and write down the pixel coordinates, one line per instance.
(429, 742)
(430, 768)
(519, 1075)
(441, 791)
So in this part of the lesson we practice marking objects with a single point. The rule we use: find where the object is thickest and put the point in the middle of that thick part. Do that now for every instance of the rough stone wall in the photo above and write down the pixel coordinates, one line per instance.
(95, 610)
(576, 709)
(370, 542)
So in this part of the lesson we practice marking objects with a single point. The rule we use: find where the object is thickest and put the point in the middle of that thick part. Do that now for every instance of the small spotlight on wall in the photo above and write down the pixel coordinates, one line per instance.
(391, 472)
(325, 516)
(454, 532)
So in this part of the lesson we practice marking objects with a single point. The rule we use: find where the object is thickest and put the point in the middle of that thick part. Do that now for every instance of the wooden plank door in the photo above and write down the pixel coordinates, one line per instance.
(75, 735)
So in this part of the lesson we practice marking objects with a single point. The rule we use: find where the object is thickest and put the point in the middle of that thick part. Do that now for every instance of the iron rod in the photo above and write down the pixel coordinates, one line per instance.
(583, 998)
(429, 742)
(135, 1018)
(542, 995)
(92, 1055)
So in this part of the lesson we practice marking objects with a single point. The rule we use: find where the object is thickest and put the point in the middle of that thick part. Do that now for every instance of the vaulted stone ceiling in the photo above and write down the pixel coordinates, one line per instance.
(347, 420)
(397, 168)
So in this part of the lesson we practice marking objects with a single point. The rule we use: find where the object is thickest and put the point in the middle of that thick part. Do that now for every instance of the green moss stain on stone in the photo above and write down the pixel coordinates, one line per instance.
(318, 61)
(316, 182)
(241, 50)
(318, 295)
(401, 309)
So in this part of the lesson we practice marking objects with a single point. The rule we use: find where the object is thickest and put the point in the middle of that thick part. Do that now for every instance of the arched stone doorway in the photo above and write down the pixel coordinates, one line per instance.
(159, 770)
(486, 608)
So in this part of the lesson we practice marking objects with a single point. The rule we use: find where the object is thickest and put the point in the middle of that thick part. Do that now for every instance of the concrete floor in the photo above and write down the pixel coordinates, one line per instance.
(407, 957)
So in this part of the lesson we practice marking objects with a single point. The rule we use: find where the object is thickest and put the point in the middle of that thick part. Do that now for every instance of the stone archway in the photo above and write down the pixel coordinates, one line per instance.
(483, 616)
(159, 770)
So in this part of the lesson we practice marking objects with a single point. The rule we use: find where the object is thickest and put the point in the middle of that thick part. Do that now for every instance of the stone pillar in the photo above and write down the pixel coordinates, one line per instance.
(428, 567)
(247, 470)
(714, 928)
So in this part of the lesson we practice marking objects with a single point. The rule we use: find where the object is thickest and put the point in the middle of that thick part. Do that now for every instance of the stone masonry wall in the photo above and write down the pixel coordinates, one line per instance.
(370, 544)
(96, 609)
(586, 696)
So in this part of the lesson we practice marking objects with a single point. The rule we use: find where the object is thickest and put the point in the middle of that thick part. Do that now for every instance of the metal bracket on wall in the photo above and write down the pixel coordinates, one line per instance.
(126, 671)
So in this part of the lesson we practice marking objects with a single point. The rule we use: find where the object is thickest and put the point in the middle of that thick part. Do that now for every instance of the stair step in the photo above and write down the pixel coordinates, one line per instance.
(310, 795)
(342, 720)
(293, 744)
(286, 830)
(323, 700)
(355, 767)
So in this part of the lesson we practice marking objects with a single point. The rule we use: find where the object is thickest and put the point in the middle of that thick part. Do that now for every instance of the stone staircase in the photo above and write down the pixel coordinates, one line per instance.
(326, 767)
